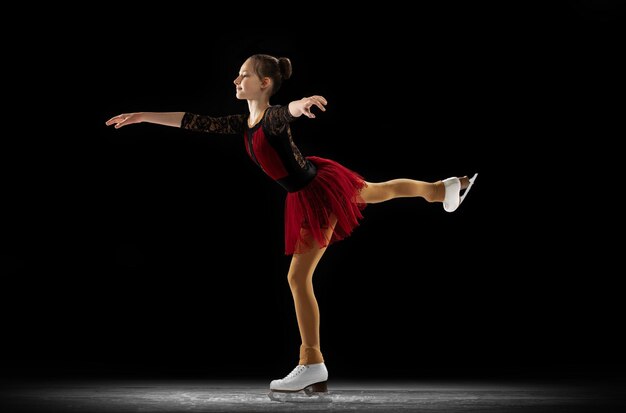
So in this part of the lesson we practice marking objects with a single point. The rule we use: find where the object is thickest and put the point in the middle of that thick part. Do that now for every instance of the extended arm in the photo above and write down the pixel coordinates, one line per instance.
(224, 124)
(278, 118)
(160, 118)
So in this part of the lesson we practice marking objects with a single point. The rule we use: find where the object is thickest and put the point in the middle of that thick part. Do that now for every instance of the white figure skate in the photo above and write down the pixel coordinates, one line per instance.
(310, 379)
(453, 197)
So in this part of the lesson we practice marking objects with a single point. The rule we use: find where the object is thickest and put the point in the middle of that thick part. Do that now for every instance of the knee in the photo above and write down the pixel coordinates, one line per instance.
(387, 188)
(376, 192)
(296, 281)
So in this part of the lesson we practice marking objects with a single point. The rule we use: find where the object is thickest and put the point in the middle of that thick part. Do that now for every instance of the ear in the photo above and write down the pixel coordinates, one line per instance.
(266, 82)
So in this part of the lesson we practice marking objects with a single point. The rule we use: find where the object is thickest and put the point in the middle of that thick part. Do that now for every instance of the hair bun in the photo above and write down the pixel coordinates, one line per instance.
(284, 64)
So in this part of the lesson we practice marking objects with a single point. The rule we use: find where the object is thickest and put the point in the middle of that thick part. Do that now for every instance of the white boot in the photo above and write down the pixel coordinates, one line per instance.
(303, 376)
(453, 197)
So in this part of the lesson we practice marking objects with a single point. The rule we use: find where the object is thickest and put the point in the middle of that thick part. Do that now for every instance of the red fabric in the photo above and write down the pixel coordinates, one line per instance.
(335, 190)
(266, 155)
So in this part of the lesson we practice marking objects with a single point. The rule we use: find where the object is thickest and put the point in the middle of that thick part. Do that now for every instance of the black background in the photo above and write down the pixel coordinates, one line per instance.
(151, 251)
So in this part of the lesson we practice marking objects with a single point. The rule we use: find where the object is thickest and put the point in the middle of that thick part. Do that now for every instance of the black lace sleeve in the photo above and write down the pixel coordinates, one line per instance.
(277, 119)
(231, 124)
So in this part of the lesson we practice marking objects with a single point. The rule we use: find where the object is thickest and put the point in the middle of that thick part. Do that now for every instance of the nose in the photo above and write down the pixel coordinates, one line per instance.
(237, 80)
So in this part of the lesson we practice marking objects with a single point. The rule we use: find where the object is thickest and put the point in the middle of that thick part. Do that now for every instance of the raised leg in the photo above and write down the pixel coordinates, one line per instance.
(375, 192)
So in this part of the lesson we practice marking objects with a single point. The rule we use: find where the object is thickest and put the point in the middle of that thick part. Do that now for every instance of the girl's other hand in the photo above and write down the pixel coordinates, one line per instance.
(124, 119)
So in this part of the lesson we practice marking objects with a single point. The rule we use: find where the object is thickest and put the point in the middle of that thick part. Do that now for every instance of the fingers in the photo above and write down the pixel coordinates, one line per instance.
(318, 101)
(114, 119)
(118, 121)
(321, 99)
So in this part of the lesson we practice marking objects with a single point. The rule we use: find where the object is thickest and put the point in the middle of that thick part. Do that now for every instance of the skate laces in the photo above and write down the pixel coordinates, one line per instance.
(299, 369)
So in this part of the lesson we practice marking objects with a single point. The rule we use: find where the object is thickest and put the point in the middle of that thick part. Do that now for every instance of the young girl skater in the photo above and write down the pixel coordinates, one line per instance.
(324, 199)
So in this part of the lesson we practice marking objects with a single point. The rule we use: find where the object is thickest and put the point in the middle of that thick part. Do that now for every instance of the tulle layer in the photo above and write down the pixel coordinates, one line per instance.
(334, 194)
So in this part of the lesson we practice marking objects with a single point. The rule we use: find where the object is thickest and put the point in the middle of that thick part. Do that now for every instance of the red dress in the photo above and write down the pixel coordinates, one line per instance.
(319, 190)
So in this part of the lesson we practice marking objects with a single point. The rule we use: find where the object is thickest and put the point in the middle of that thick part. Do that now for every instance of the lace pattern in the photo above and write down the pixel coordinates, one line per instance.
(276, 122)
(231, 124)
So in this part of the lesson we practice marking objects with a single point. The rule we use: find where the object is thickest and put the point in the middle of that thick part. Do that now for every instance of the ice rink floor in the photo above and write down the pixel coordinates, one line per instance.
(234, 396)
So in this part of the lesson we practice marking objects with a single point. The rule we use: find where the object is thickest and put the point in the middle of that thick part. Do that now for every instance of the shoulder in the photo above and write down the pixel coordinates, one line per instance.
(278, 113)
(274, 108)
(276, 120)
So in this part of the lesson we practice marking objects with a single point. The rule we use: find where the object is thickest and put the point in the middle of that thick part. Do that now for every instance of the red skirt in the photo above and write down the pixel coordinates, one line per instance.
(333, 193)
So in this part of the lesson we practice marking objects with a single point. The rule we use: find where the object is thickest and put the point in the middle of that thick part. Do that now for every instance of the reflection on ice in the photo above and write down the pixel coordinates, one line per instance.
(192, 396)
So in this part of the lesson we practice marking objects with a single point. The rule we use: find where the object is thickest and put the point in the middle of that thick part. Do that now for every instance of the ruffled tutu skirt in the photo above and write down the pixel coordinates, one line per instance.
(334, 194)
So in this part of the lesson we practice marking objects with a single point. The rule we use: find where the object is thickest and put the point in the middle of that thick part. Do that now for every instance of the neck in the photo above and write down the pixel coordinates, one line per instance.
(256, 108)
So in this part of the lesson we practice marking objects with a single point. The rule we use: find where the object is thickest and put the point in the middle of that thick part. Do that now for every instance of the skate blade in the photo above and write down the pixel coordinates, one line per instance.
(315, 393)
(299, 397)
(471, 182)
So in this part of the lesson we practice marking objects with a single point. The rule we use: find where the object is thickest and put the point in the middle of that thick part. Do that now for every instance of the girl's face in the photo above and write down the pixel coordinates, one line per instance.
(248, 85)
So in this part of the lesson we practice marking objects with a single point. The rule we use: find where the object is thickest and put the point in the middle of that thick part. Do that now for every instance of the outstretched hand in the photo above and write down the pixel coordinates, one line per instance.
(304, 106)
(124, 119)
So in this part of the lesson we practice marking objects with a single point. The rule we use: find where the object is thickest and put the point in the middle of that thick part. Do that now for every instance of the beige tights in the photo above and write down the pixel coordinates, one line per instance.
(302, 266)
